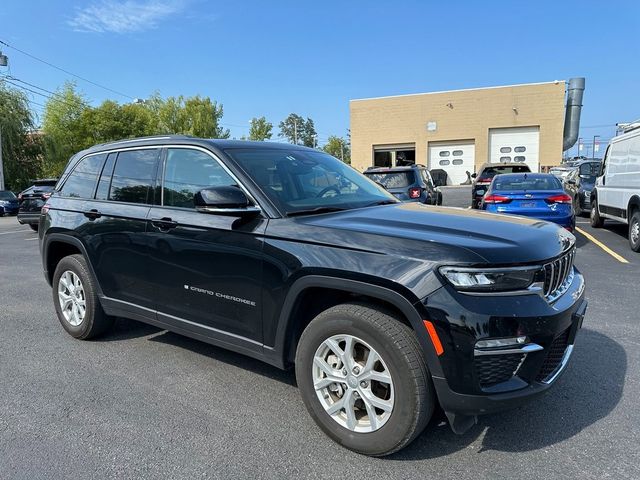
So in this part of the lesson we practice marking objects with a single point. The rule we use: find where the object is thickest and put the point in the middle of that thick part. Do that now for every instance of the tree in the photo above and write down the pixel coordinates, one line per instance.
(291, 128)
(260, 129)
(197, 116)
(21, 146)
(309, 136)
(339, 148)
(63, 128)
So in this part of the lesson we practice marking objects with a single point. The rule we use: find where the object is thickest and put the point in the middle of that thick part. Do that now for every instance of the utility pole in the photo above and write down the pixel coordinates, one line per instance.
(1, 165)
(341, 151)
(295, 131)
(594, 145)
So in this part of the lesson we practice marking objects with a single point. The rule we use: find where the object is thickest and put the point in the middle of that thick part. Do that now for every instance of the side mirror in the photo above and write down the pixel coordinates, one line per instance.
(474, 175)
(224, 200)
(584, 176)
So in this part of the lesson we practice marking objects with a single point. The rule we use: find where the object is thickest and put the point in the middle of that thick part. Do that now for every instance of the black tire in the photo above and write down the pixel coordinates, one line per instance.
(398, 346)
(439, 198)
(33, 226)
(596, 220)
(634, 231)
(95, 321)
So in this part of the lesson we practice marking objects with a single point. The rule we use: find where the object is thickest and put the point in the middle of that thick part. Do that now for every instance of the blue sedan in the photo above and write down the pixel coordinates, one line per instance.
(537, 195)
(8, 203)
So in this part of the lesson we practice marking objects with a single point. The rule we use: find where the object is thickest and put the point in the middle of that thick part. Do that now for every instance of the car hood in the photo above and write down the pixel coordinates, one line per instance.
(455, 233)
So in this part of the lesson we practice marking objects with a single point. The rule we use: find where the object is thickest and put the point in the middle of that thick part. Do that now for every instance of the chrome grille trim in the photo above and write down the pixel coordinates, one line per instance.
(558, 275)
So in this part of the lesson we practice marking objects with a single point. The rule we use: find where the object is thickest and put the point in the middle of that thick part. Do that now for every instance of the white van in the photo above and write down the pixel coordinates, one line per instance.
(616, 195)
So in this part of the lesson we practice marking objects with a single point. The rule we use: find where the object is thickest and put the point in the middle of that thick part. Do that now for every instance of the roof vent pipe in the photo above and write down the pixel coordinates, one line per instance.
(572, 112)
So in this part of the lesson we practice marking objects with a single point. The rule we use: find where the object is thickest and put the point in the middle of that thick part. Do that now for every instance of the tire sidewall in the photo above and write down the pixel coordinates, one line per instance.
(403, 416)
(635, 219)
(75, 264)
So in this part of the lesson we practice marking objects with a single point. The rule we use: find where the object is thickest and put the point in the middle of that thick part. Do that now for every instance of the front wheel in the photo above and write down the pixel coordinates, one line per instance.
(596, 220)
(634, 231)
(363, 379)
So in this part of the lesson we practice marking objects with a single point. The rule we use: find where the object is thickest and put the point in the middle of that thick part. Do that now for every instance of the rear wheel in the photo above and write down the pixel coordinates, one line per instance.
(596, 220)
(363, 378)
(634, 231)
(76, 300)
(577, 206)
(33, 226)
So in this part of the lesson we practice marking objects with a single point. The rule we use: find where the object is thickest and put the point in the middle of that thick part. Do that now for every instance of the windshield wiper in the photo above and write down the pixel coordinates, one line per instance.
(382, 202)
(316, 210)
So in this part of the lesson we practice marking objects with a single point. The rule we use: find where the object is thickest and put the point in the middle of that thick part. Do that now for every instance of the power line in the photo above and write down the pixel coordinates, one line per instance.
(66, 71)
(43, 94)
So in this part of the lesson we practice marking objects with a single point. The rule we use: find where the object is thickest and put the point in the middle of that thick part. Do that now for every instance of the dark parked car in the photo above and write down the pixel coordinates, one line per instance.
(482, 179)
(8, 203)
(386, 309)
(536, 195)
(32, 199)
(409, 184)
(579, 184)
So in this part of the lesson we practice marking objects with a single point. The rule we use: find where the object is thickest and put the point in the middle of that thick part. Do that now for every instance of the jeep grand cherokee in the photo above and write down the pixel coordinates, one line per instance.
(284, 253)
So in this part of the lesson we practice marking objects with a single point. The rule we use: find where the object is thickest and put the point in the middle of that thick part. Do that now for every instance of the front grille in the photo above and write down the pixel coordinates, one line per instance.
(493, 369)
(558, 275)
(555, 353)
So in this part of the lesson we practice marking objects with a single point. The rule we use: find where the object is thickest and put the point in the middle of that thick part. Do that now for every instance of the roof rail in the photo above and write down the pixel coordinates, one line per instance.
(149, 137)
(627, 127)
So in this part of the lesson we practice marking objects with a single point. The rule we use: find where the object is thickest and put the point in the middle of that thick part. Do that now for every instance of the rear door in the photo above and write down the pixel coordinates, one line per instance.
(115, 230)
(207, 268)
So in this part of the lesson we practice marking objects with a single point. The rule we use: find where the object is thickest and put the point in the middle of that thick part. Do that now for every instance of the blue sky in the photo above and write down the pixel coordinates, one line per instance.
(273, 58)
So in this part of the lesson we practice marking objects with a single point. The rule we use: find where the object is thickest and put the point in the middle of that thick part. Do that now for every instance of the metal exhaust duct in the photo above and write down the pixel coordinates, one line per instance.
(572, 112)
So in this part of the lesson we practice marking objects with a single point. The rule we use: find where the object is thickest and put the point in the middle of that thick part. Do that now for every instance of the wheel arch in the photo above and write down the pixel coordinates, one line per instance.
(633, 205)
(339, 290)
(56, 247)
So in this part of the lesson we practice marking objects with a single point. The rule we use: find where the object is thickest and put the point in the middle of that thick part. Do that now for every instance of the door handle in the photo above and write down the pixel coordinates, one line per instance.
(164, 223)
(92, 214)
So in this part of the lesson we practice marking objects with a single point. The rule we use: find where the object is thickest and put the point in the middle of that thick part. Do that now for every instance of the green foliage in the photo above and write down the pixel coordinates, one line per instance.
(21, 146)
(260, 129)
(339, 148)
(298, 130)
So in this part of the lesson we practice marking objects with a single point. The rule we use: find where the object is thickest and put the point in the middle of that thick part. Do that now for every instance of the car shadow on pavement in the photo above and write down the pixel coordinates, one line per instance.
(125, 329)
(588, 391)
(226, 356)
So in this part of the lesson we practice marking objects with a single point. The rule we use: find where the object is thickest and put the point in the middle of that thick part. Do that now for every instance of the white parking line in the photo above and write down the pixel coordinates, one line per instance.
(14, 231)
(32, 238)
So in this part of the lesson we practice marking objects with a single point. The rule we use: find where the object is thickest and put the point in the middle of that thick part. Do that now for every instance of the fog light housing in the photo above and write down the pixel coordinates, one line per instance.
(501, 342)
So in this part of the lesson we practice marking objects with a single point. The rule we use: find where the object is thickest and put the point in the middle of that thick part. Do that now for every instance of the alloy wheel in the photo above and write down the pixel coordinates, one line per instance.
(71, 295)
(353, 383)
(635, 232)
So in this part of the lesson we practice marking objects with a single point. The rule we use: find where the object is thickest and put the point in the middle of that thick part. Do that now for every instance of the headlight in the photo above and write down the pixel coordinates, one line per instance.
(490, 279)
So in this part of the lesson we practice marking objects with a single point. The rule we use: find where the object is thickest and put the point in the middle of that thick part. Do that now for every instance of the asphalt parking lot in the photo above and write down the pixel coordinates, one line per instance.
(145, 403)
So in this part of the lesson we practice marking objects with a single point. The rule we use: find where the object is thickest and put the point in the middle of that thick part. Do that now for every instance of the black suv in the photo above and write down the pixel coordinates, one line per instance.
(284, 253)
(410, 184)
(580, 182)
(32, 199)
(482, 179)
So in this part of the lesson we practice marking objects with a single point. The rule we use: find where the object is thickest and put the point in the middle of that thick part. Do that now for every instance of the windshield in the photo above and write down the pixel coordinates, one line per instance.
(392, 179)
(6, 195)
(526, 182)
(297, 180)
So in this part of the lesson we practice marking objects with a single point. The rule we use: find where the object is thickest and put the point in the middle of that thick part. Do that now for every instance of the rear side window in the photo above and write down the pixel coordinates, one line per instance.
(133, 176)
(187, 172)
(102, 193)
(81, 182)
(393, 179)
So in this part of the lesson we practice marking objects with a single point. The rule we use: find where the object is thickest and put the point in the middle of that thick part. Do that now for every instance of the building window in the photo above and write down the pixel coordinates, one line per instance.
(457, 161)
(505, 159)
(519, 149)
(457, 153)
(518, 158)
(444, 162)
(505, 149)
(444, 153)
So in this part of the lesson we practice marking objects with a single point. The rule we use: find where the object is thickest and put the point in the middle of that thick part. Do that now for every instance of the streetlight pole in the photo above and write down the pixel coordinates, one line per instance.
(1, 164)
(594, 145)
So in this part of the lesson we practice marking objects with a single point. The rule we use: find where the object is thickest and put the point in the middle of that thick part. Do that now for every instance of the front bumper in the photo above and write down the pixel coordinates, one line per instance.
(465, 383)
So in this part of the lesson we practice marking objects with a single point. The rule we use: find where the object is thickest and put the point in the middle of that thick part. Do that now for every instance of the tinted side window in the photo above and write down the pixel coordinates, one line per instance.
(133, 176)
(102, 193)
(187, 172)
(82, 180)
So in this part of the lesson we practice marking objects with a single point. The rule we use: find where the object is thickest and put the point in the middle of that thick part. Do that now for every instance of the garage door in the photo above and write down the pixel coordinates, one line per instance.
(455, 158)
(518, 144)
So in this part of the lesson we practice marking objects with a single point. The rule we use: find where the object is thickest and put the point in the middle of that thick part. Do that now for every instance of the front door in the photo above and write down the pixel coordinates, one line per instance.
(207, 268)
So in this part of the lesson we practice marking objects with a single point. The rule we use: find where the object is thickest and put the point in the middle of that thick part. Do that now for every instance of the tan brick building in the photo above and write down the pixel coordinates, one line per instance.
(459, 130)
